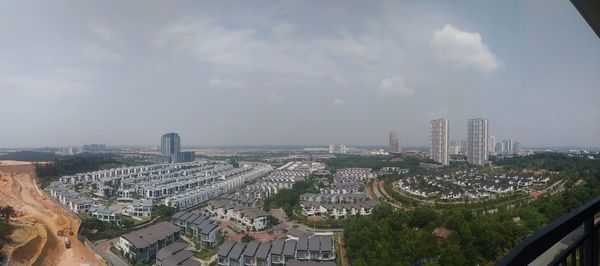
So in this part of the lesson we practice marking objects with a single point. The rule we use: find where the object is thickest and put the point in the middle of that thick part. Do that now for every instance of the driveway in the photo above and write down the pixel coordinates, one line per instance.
(111, 258)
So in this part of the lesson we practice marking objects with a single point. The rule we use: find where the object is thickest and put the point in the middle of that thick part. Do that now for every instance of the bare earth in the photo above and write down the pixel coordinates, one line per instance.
(39, 218)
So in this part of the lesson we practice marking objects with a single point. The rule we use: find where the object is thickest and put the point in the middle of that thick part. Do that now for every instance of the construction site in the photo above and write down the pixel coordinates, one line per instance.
(45, 233)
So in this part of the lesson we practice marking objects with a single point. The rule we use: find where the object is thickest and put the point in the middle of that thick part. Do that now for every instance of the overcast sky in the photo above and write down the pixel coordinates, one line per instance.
(297, 72)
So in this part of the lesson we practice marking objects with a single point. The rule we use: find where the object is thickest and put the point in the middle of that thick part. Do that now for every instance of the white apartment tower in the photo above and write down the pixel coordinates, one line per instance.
(438, 144)
(477, 141)
(492, 145)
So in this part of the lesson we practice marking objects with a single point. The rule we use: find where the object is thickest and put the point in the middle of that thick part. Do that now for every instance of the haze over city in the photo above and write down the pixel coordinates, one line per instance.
(274, 73)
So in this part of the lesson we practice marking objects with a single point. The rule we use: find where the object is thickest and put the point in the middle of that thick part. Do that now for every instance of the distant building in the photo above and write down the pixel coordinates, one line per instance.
(343, 148)
(71, 150)
(477, 141)
(331, 148)
(507, 147)
(394, 142)
(94, 147)
(492, 145)
(170, 144)
(516, 147)
(184, 156)
(457, 147)
(438, 144)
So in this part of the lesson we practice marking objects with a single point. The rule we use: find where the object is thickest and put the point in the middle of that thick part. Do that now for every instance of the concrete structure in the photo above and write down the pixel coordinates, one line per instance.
(394, 142)
(477, 141)
(343, 148)
(143, 244)
(184, 156)
(170, 144)
(492, 145)
(438, 141)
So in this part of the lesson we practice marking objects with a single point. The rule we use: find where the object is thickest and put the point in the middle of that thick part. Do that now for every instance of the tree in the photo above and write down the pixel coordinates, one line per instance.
(162, 211)
(7, 212)
(247, 238)
(423, 216)
(5, 231)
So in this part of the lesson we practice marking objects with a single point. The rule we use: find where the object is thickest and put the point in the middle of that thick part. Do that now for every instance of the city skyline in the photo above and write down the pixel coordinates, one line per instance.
(264, 74)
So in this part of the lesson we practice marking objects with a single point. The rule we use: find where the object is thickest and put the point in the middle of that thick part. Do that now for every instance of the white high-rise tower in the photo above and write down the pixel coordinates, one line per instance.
(477, 141)
(438, 144)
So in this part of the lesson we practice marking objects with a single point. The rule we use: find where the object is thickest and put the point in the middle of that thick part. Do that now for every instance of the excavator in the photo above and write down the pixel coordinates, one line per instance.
(65, 231)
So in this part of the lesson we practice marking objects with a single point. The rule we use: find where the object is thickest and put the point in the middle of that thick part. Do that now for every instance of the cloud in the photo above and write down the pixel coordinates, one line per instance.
(284, 28)
(101, 53)
(339, 80)
(226, 83)
(395, 85)
(102, 31)
(211, 43)
(278, 48)
(594, 112)
(272, 97)
(463, 49)
(338, 102)
(43, 86)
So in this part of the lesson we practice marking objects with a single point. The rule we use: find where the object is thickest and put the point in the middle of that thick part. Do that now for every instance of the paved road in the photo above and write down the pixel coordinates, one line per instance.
(381, 197)
(111, 258)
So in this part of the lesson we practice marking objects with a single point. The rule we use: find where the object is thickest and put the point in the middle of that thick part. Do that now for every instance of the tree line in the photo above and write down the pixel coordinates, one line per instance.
(71, 165)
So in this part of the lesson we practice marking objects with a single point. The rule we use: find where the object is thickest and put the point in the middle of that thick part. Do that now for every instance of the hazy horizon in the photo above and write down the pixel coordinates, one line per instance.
(287, 73)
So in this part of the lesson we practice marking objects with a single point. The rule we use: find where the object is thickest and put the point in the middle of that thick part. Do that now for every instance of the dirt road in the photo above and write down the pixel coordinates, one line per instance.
(35, 241)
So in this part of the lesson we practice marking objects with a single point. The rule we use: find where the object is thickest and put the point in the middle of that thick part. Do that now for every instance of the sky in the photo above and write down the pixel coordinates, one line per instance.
(295, 72)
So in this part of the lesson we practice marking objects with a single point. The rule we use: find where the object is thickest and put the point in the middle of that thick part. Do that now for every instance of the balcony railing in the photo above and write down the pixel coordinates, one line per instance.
(577, 233)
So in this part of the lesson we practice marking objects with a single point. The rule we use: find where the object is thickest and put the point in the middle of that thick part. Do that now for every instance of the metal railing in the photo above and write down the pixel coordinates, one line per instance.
(577, 231)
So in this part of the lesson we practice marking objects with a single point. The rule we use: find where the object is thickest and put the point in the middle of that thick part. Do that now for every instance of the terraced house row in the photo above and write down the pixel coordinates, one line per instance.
(200, 227)
(314, 250)
(251, 218)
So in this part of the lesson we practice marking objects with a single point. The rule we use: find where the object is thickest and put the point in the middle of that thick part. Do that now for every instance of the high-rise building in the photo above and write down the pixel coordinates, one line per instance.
(477, 141)
(170, 144)
(456, 147)
(394, 142)
(508, 147)
(492, 145)
(94, 147)
(438, 144)
(500, 148)
(331, 148)
(343, 148)
(184, 156)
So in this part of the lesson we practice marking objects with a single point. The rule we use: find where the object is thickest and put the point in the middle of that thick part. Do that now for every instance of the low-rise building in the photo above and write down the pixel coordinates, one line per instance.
(140, 208)
(105, 214)
(176, 254)
(143, 244)
(315, 249)
(200, 227)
